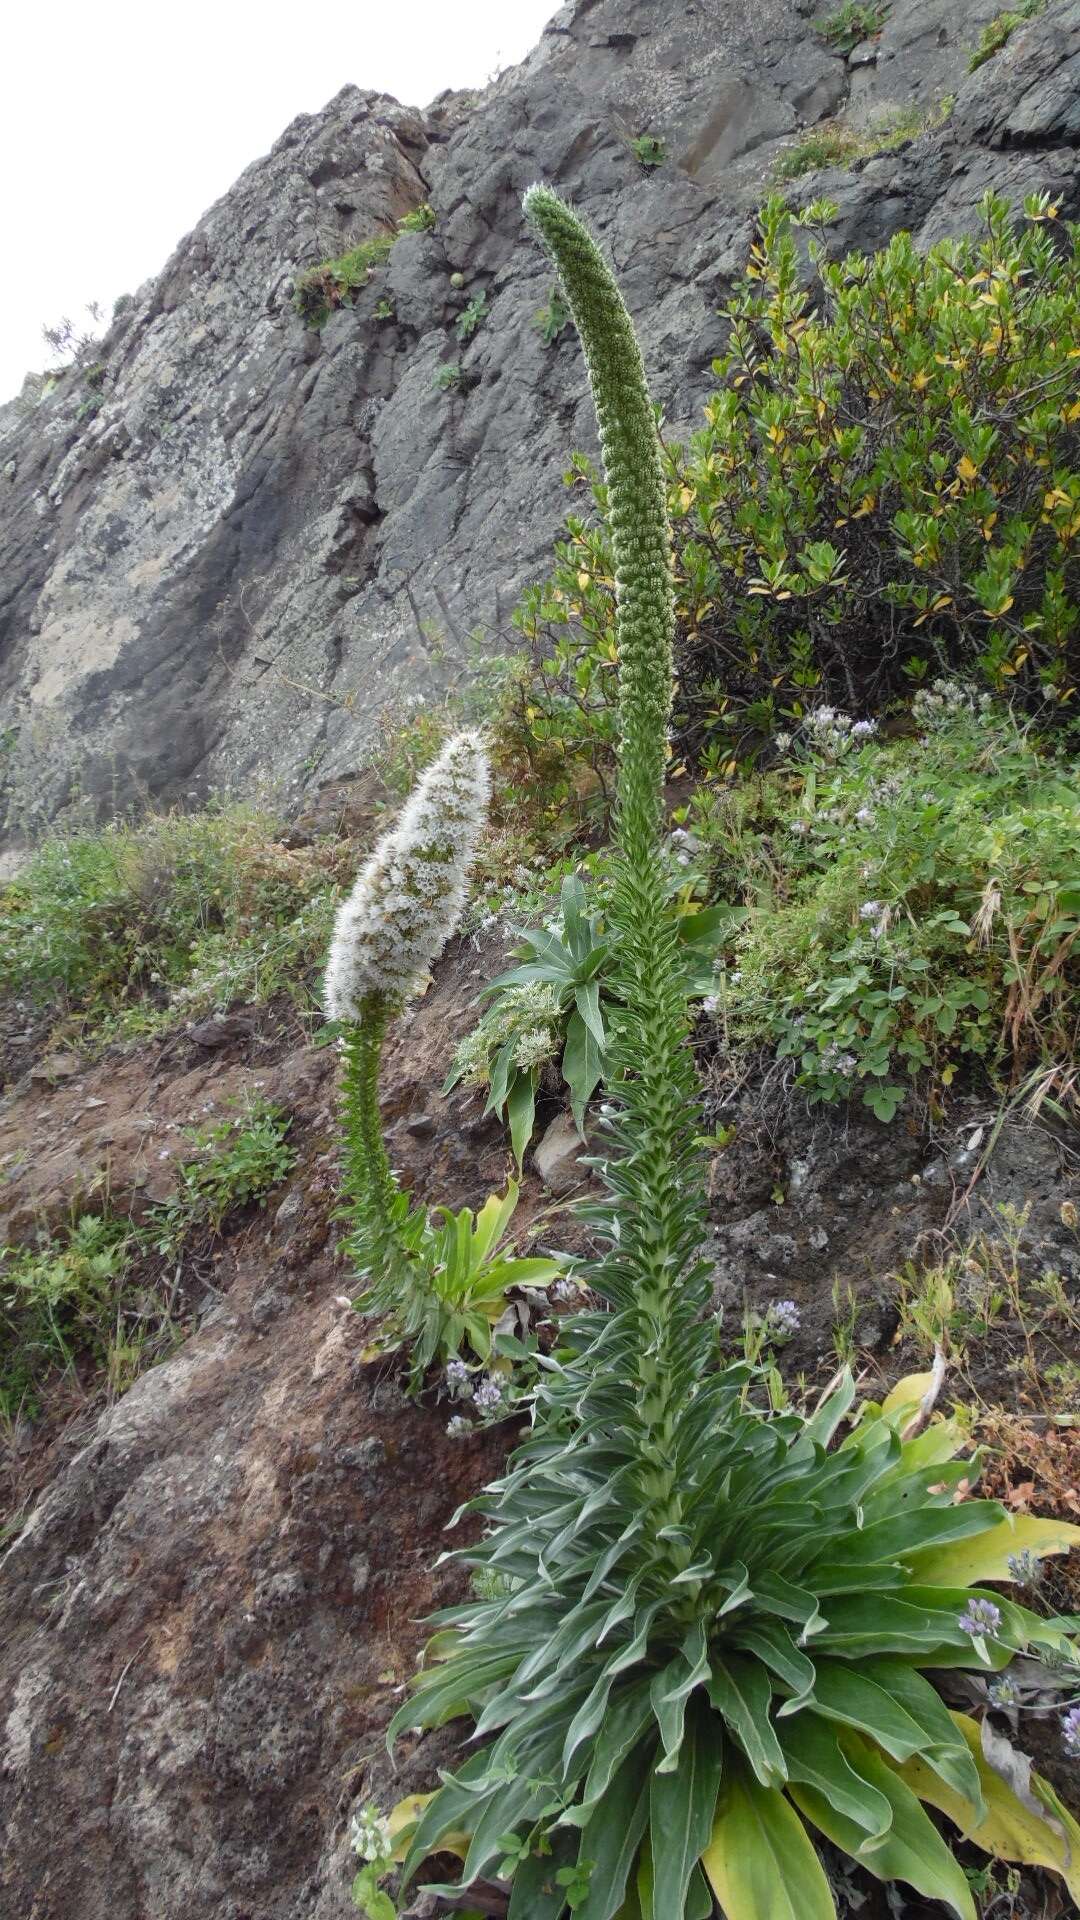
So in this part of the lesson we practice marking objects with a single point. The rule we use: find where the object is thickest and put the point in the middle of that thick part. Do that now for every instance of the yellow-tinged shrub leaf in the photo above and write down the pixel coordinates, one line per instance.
(985, 1556)
(908, 1393)
(402, 1821)
(1010, 1831)
(760, 1860)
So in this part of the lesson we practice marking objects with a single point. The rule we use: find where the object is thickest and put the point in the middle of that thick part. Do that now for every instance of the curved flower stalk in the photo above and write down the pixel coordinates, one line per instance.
(403, 909)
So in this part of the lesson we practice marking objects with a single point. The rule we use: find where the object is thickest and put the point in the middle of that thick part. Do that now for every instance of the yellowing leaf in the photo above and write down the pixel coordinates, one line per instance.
(967, 1563)
(402, 1821)
(908, 1393)
(583, 579)
(966, 468)
(1010, 1831)
(760, 1861)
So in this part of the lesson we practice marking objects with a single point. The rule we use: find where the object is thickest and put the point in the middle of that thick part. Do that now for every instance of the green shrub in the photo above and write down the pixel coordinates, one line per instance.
(831, 570)
(913, 904)
(833, 144)
(443, 1298)
(552, 320)
(555, 1003)
(549, 1004)
(447, 378)
(672, 1714)
(471, 316)
(891, 482)
(129, 929)
(236, 1161)
(648, 151)
(997, 33)
(334, 283)
(56, 1301)
(854, 21)
(420, 220)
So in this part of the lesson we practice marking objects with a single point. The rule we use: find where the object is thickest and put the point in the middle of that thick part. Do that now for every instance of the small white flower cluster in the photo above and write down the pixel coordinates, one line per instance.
(933, 706)
(409, 897)
(370, 1835)
(529, 1009)
(564, 1289)
(878, 914)
(837, 1061)
(533, 1047)
(832, 733)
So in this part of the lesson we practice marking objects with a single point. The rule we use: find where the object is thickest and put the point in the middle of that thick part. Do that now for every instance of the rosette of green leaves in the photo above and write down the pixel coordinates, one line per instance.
(447, 1283)
(674, 1715)
(571, 964)
(574, 972)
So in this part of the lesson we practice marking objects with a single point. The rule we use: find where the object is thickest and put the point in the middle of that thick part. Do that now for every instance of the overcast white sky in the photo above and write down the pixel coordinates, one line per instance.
(120, 123)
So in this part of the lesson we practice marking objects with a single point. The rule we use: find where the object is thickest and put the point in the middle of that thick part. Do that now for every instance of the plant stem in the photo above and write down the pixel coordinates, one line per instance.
(656, 1173)
(369, 1182)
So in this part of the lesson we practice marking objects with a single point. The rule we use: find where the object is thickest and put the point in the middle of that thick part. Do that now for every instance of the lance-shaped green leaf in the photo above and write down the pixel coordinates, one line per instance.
(612, 1836)
(683, 1810)
(759, 1860)
(741, 1691)
(912, 1850)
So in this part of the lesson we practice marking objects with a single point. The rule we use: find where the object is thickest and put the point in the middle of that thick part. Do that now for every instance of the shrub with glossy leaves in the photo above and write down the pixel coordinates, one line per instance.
(889, 474)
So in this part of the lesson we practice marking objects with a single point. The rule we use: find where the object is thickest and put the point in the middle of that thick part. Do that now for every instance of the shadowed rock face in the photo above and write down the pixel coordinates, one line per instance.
(254, 538)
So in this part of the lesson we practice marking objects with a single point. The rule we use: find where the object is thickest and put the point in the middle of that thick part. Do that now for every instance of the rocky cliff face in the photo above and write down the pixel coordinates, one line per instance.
(222, 561)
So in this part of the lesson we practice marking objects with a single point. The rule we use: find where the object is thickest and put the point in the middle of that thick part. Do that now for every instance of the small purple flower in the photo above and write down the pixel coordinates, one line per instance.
(784, 1319)
(564, 1289)
(458, 1427)
(1024, 1568)
(864, 729)
(982, 1617)
(457, 1379)
(870, 910)
(1003, 1693)
(488, 1395)
(1070, 1732)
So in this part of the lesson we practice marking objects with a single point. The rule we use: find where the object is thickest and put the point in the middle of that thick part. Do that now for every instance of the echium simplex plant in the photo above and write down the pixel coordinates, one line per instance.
(705, 1624)
(397, 919)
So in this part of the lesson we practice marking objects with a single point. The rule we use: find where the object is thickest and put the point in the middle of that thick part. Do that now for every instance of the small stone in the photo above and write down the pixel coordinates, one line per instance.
(819, 1239)
(54, 1067)
(556, 1155)
(420, 1125)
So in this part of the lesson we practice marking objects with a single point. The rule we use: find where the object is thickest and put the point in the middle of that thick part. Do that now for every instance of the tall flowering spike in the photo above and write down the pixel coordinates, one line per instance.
(653, 1265)
(637, 511)
(408, 899)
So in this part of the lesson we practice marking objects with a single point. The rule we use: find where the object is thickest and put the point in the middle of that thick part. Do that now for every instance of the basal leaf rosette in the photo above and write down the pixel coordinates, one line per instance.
(668, 1719)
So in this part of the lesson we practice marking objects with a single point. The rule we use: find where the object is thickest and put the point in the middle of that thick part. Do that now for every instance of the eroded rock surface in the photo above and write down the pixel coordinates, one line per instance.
(222, 562)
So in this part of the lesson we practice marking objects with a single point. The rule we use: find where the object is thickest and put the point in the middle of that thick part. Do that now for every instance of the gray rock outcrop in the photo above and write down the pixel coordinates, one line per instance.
(239, 542)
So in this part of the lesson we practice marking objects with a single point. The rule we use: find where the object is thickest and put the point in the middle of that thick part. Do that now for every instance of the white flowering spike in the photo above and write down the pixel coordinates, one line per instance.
(408, 899)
